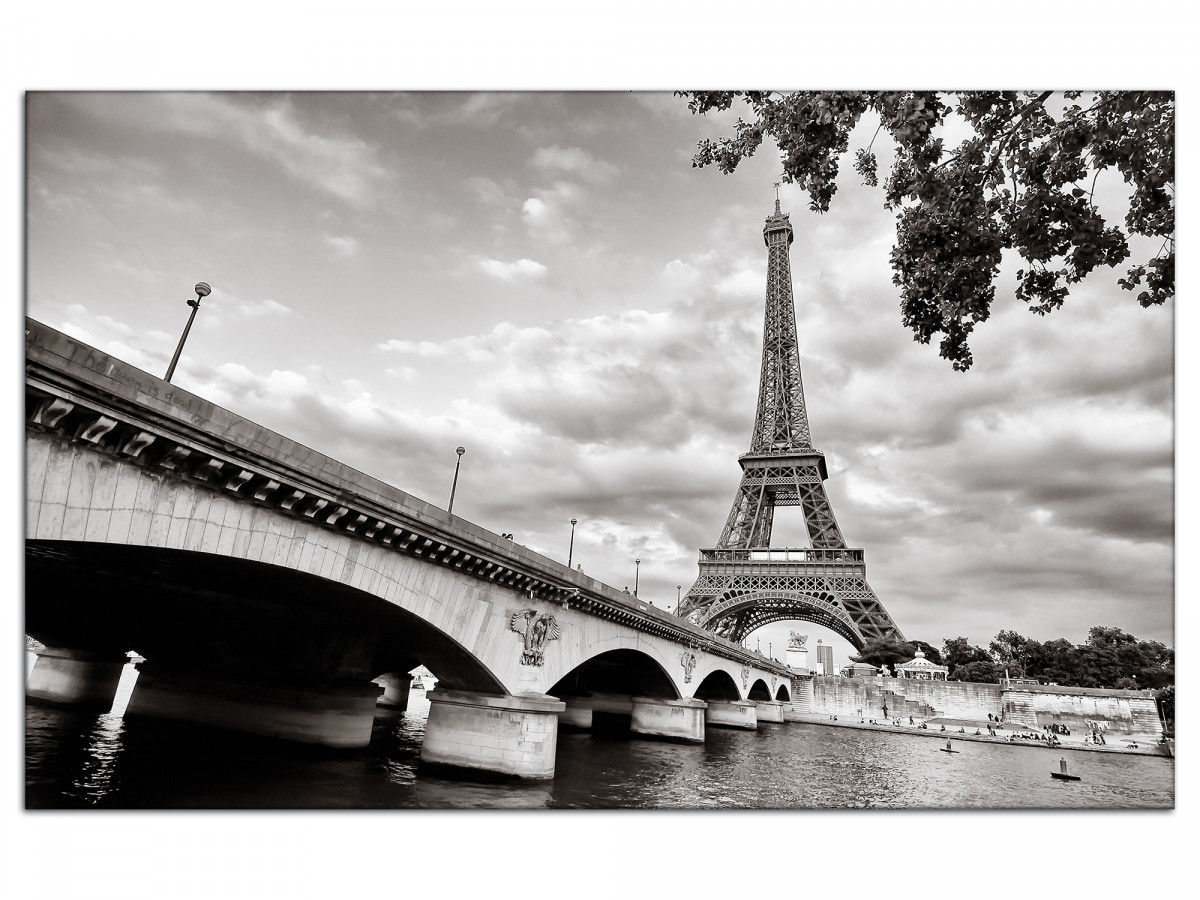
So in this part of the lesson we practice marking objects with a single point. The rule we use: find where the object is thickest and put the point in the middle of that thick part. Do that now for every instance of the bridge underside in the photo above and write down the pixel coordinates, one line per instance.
(203, 612)
(627, 672)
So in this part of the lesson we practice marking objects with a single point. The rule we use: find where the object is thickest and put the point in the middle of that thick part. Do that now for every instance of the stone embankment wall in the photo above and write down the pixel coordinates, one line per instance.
(840, 696)
(1123, 712)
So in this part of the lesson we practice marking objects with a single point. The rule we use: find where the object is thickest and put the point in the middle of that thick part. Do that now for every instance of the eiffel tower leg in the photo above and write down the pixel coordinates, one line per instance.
(872, 619)
(823, 528)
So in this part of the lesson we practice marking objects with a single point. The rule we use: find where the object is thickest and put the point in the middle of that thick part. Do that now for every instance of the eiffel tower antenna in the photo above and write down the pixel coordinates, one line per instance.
(744, 582)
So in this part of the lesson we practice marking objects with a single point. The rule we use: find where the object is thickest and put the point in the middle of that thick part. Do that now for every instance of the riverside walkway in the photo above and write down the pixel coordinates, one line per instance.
(1147, 746)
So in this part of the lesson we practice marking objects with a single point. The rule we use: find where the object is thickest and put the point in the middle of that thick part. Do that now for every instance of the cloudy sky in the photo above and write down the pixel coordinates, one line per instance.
(544, 279)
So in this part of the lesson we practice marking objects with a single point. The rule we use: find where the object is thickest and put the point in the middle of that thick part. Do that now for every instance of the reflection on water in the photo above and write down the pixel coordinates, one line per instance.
(99, 765)
(78, 760)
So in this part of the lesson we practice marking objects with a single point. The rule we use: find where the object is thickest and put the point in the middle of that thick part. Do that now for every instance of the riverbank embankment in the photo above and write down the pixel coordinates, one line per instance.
(933, 728)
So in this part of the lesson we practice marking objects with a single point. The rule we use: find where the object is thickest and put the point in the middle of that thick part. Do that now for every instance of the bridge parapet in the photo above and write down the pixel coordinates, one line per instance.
(79, 395)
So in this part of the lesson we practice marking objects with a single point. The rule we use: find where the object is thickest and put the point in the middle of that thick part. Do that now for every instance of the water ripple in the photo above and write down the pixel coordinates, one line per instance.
(79, 760)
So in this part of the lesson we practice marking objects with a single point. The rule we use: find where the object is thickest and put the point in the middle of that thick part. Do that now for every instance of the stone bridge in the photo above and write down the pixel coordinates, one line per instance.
(274, 590)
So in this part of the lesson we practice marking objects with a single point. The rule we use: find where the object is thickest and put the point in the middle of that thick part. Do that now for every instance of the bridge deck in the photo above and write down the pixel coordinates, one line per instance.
(79, 392)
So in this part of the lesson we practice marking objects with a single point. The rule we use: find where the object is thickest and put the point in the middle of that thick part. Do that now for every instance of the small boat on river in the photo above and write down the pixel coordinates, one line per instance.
(947, 748)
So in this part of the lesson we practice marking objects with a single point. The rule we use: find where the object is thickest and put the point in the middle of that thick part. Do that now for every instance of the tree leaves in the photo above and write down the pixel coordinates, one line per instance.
(1016, 184)
(1110, 657)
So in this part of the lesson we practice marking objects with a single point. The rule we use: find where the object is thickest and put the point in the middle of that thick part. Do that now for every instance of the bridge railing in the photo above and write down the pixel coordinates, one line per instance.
(784, 554)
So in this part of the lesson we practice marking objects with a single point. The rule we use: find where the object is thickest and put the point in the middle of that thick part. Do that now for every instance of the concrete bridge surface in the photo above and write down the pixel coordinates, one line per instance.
(273, 590)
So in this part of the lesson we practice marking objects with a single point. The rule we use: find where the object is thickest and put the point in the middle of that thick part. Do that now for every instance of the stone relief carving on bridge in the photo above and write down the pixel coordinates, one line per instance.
(688, 661)
(536, 629)
(797, 641)
(745, 677)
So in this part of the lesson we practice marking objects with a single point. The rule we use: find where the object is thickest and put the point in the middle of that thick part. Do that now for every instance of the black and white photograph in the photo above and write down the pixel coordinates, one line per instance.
(802, 449)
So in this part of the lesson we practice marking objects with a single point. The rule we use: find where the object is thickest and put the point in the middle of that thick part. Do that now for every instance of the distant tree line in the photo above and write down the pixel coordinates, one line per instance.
(1109, 658)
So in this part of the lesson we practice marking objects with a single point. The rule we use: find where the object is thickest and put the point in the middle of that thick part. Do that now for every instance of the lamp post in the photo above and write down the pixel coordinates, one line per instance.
(453, 487)
(202, 290)
(637, 563)
(571, 550)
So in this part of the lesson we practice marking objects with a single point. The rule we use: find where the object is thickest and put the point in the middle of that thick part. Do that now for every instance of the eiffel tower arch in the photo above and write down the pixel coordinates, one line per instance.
(744, 582)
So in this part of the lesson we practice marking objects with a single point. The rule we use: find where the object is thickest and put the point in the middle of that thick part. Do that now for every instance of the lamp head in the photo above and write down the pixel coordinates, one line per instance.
(460, 450)
(202, 290)
(573, 520)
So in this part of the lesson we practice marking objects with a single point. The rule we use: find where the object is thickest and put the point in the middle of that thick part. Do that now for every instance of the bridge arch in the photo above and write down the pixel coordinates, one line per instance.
(742, 611)
(759, 691)
(209, 612)
(717, 685)
(783, 693)
(624, 671)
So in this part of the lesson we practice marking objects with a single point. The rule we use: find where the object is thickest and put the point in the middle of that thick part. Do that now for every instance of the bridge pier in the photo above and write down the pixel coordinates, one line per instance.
(396, 689)
(769, 711)
(678, 720)
(577, 715)
(77, 677)
(335, 714)
(731, 714)
(506, 735)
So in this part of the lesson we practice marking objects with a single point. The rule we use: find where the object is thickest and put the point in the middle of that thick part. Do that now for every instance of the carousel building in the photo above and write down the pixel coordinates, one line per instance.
(922, 668)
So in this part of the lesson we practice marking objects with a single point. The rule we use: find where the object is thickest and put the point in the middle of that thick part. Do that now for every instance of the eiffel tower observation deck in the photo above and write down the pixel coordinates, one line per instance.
(745, 582)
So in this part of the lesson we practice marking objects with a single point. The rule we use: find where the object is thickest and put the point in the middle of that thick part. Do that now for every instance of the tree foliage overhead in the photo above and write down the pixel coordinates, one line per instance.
(1024, 180)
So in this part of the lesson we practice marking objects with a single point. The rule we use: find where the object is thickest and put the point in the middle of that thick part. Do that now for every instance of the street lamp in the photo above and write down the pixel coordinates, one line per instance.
(571, 551)
(202, 290)
(460, 451)
(636, 571)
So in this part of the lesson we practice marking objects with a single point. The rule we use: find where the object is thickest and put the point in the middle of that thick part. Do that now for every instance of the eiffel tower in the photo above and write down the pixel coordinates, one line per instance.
(744, 582)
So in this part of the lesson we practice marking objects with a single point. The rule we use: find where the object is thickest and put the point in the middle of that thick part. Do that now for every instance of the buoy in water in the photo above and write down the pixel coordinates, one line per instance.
(1061, 774)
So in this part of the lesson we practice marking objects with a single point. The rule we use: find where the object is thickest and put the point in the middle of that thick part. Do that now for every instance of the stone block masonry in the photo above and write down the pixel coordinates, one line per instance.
(514, 736)
(1031, 706)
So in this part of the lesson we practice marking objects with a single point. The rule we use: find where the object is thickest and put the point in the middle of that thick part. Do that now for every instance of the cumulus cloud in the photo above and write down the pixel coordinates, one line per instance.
(341, 165)
(551, 213)
(419, 348)
(574, 161)
(486, 191)
(223, 307)
(507, 271)
(342, 246)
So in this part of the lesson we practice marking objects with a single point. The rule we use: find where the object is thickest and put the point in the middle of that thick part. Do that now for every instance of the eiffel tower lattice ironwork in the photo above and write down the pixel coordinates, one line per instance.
(744, 583)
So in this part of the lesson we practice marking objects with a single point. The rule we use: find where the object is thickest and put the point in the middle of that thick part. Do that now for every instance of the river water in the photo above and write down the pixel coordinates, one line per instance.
(78, 760)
